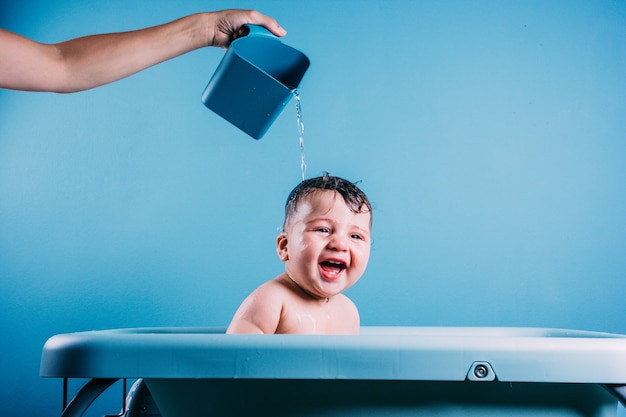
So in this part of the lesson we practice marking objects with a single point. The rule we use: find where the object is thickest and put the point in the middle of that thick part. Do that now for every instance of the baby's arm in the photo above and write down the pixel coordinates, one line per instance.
(348, 321)
(259, 313)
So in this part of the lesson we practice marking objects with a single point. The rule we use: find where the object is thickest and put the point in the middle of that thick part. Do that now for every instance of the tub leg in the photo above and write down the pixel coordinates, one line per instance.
(87, 394)
(618, 391)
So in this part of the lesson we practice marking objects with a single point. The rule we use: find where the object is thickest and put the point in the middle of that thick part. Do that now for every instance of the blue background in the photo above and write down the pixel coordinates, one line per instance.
(490, 137)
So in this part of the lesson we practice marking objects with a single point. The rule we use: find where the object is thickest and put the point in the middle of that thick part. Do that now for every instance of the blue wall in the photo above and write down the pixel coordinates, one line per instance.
(490, 136)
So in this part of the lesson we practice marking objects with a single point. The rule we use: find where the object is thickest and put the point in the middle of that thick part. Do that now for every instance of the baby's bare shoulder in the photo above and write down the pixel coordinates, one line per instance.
(346, 319)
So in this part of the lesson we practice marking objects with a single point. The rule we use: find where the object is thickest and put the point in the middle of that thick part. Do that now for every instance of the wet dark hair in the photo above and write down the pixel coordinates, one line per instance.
(355, 199)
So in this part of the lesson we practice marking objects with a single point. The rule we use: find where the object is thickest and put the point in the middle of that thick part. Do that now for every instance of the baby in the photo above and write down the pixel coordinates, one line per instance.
(325, 245)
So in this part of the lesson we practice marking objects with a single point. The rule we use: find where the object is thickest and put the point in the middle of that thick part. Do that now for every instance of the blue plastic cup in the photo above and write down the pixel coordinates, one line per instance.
(254, 81)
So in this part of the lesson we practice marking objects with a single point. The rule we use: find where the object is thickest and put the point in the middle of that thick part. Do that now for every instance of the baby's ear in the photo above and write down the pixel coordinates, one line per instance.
(281, 247)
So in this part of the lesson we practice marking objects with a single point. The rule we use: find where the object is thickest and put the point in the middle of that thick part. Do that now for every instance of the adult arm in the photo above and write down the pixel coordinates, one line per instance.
(90, 61)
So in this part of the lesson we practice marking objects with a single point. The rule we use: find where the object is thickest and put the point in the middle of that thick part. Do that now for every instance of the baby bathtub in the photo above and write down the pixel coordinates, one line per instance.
(384, 371)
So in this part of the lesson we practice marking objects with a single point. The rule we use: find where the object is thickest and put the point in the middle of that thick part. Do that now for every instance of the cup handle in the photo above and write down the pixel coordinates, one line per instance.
(256, 30)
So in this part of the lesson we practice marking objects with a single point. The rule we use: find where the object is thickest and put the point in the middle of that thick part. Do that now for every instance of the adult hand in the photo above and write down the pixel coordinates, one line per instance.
(228, 25)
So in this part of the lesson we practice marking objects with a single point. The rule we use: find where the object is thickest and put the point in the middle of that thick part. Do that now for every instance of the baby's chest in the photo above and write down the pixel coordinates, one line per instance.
(307, 321)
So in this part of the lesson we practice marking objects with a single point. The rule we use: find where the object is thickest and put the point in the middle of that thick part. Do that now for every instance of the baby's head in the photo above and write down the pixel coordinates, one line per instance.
(325, 242)
(355, 199)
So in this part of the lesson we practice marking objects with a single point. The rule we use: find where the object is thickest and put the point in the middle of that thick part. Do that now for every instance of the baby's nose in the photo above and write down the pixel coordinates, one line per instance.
(338, 242)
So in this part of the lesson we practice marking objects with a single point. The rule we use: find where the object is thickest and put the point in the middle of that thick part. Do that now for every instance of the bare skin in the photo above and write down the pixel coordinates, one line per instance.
(325, 248)
(280, 306)
(91, 61)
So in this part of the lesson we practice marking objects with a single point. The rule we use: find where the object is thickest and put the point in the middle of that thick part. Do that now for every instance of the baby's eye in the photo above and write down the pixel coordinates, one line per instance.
(322, 230)
(356, 236)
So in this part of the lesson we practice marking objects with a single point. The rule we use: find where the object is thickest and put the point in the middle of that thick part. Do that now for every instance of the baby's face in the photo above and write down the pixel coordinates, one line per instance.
(327, 245)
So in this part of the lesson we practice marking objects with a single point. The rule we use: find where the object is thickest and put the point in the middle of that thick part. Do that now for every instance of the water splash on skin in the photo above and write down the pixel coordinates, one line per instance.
(307, 322)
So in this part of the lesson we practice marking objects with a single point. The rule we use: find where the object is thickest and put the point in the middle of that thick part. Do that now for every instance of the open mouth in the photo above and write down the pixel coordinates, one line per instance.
(332, 268)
